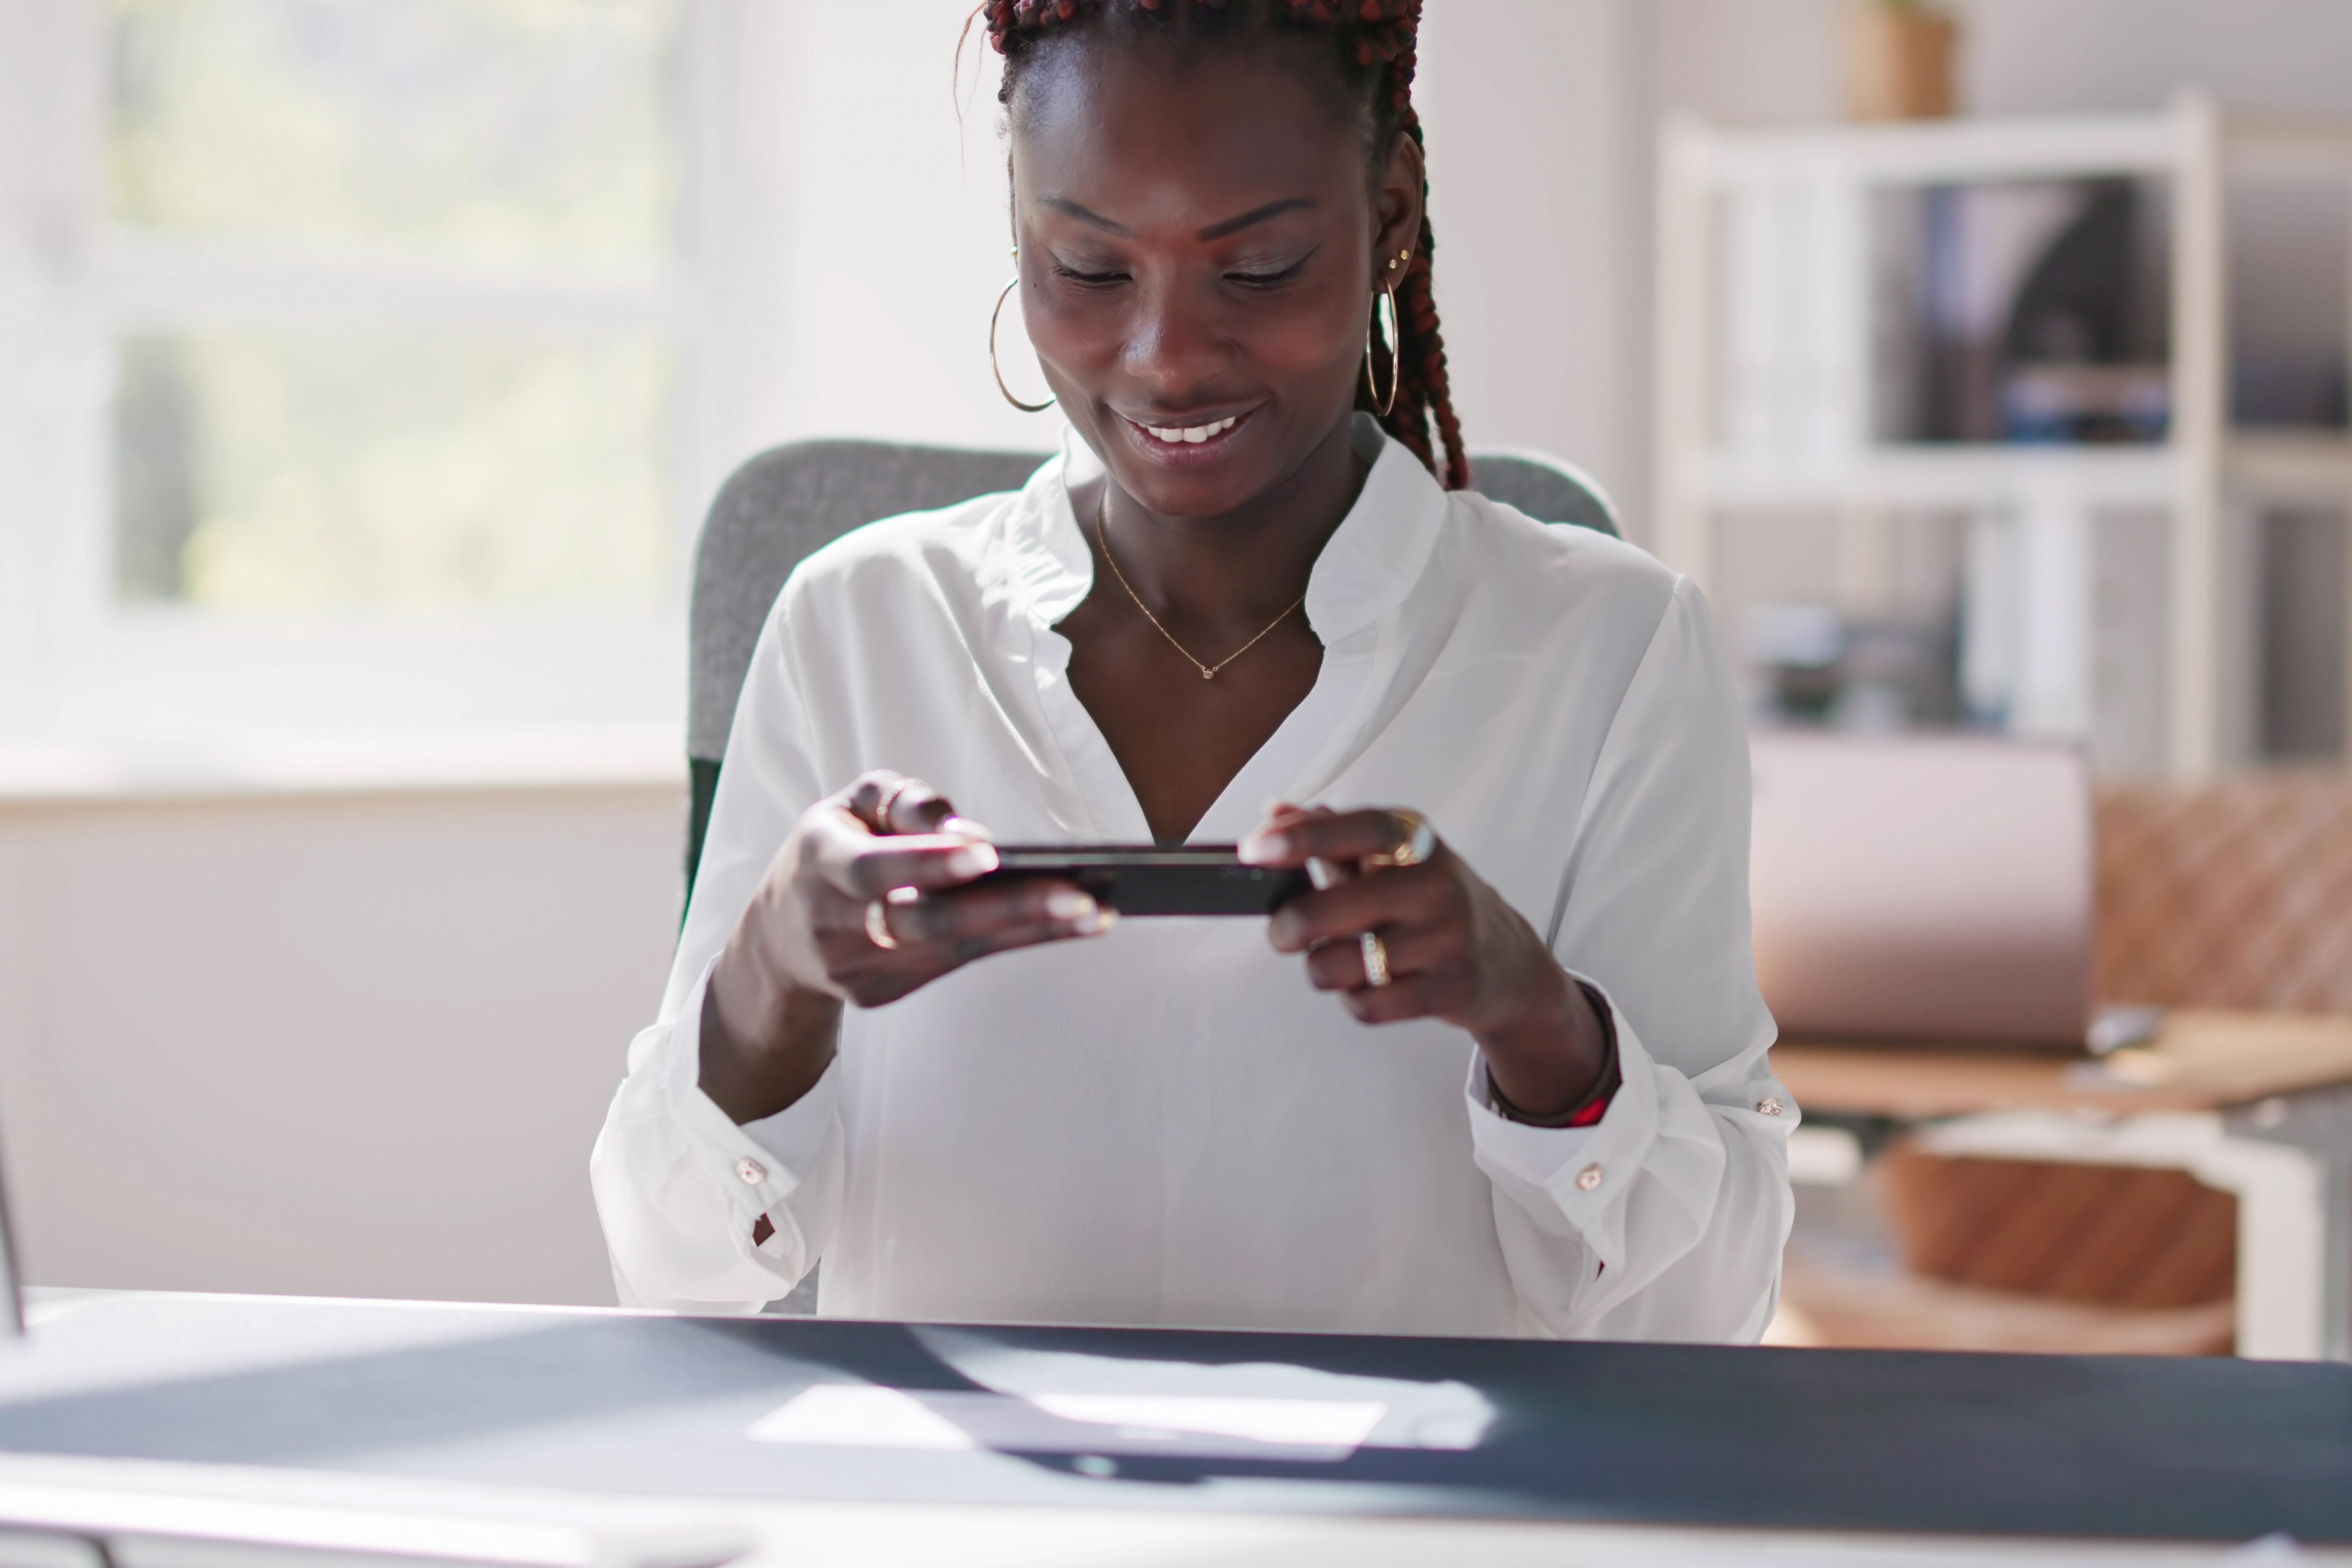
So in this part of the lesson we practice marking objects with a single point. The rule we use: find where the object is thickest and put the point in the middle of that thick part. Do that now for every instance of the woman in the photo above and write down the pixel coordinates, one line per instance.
(1509, 1078)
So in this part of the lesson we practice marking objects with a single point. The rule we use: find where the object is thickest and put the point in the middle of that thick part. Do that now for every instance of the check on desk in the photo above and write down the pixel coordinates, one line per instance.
(617, 1403)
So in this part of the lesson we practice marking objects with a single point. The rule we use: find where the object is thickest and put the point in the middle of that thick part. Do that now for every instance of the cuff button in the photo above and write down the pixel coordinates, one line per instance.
(1588, 1178)
(752, 1172)
(1770, 1105)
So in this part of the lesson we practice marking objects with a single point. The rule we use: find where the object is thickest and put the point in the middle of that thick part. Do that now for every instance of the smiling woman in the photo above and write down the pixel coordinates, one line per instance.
(1365, 73)
(1251, 602)
(1256, 183)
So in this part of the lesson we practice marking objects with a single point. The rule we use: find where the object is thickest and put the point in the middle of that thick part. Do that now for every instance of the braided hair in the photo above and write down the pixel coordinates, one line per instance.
(1373, 45)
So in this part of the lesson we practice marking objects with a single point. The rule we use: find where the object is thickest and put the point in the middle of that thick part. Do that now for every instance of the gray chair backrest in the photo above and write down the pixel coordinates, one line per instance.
(786, 503)
(1546, 489)
(780, 508)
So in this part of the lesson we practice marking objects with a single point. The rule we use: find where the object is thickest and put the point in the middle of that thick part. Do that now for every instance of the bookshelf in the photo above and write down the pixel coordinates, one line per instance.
(1769, 369)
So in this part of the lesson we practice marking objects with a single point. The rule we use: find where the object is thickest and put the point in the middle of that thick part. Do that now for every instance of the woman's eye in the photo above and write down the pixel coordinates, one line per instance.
(1266, 278)
(1087, 279)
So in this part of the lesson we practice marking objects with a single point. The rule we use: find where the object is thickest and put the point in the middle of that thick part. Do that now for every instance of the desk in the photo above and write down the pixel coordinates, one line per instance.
(2255, 1104)
(2201, 1061)
(1669, 1437)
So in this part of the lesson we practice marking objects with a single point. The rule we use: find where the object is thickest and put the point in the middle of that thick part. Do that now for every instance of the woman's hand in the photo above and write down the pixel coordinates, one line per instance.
(1455, 950)
(864, 903)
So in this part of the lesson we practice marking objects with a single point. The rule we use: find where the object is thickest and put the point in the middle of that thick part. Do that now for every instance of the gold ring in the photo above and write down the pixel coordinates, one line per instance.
(878, 926)
(1419, 843)
(1375, 959)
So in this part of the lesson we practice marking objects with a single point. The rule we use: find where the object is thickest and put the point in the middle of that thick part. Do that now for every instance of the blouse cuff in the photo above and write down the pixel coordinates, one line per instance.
(1566, 1177)
(757, 1164)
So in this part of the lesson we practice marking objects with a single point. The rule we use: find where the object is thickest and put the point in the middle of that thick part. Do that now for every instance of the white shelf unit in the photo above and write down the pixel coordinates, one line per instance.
(1813, 188)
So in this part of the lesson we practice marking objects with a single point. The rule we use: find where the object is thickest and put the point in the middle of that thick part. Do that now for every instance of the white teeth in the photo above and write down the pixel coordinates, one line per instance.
(1191, 435)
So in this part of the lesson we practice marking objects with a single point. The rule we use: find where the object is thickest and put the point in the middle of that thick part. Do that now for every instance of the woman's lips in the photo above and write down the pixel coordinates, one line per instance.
(1191, 443)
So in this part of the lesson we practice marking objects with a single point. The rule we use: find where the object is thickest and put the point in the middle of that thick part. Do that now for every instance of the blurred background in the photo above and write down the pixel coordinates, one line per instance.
(366, 369)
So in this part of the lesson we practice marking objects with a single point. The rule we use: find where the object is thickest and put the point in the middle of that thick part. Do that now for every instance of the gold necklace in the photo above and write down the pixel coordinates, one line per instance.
(1208, 672)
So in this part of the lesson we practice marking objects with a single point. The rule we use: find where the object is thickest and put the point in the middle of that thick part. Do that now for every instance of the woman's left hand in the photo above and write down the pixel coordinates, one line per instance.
(1455, 950)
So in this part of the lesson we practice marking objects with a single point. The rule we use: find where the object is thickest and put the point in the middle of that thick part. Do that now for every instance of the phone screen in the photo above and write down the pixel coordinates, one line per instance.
(1157, 879)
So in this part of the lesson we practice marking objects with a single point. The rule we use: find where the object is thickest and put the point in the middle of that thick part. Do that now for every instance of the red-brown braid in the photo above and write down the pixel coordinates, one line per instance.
(1385, 35)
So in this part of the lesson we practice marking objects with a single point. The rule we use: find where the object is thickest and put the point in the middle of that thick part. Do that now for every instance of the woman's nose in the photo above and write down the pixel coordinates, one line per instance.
(1175, 345)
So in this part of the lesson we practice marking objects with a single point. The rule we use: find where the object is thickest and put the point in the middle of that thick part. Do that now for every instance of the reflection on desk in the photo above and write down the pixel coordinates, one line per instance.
(617, 1403)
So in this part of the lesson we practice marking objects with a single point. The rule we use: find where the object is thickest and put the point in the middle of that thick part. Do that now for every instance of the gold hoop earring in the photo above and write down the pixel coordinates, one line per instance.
(1396, 352)
(993, 368)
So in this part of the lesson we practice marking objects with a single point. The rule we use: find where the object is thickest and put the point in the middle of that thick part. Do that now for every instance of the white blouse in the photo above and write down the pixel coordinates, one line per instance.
(1168, 1125)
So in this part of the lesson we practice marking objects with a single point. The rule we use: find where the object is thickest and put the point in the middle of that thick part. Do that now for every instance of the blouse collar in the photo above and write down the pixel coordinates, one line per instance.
(1367, 567)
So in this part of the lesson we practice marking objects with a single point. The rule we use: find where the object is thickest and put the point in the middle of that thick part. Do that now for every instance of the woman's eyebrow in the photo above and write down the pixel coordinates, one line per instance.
(1086, 216)
(1255, 216)
(1215, 231)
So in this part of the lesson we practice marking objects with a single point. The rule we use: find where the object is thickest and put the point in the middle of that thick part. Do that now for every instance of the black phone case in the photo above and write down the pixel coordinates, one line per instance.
(1153, 879)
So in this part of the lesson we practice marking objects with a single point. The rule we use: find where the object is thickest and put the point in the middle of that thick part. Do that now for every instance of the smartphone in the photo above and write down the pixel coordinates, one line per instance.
(1156, 879)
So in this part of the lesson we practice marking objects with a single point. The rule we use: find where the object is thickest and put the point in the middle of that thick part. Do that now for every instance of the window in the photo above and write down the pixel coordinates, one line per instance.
(349, 358)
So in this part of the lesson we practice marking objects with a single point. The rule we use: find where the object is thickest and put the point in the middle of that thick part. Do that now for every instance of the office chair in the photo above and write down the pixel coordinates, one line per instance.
(787, 503)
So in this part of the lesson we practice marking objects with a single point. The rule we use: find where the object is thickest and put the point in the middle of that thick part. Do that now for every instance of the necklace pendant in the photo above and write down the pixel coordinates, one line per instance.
(1208, 675)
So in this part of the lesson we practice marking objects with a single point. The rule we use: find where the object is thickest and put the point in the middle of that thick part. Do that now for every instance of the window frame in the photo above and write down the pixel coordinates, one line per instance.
(75, 661)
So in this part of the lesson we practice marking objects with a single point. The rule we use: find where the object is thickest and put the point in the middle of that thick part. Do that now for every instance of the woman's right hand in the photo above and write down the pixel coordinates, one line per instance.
(864, 903)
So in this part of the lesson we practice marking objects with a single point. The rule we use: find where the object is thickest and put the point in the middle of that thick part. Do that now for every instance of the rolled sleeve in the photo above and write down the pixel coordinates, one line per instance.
(1590, 1217)
(680, 1187)
(1664, 1220)
(1575, 1183)
(1540, 1168)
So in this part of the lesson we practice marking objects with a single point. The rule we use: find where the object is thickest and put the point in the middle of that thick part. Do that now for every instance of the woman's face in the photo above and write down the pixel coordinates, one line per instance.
(1199, 243)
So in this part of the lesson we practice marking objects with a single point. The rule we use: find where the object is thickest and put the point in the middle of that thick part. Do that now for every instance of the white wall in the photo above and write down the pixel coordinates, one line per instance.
(332, 1045)
(895, 239)
(1538, 117)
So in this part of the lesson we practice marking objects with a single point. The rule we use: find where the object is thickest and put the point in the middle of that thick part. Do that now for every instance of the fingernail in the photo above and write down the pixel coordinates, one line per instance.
(972, 860)
(1070, 906)
(1258, 848)
(964, 828)
(1101, 925)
